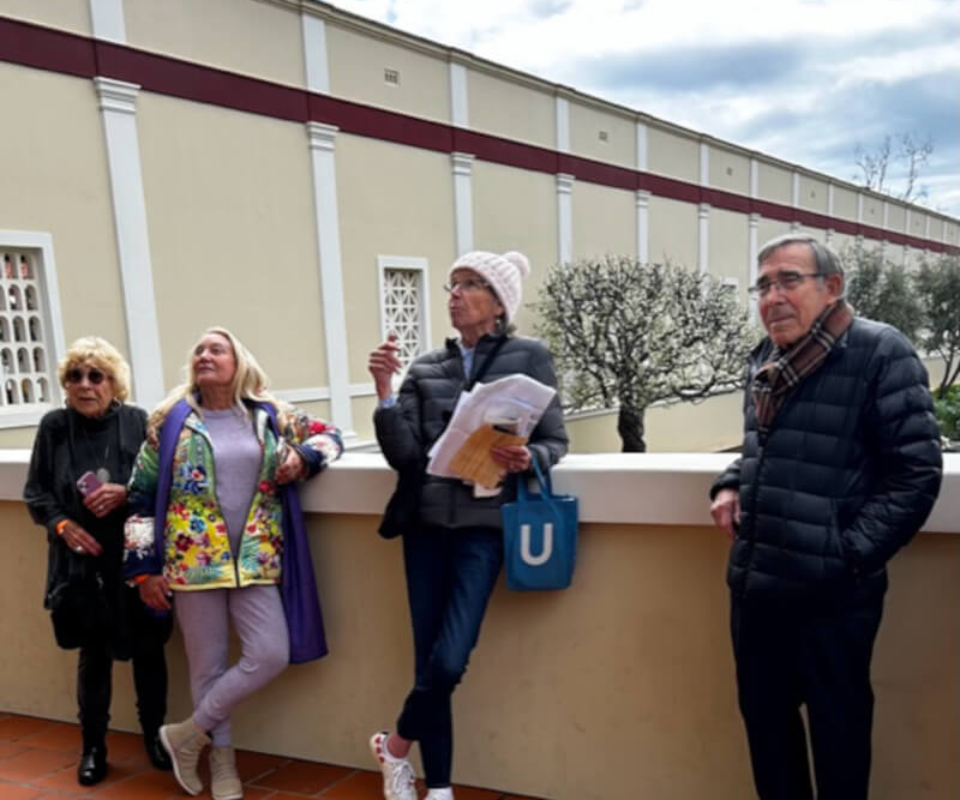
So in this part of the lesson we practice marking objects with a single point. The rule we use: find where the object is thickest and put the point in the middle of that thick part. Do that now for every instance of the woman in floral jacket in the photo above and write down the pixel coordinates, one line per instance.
(216, 472)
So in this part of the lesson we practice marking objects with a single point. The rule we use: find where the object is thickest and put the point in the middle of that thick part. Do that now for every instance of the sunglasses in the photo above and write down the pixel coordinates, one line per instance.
(93, 376)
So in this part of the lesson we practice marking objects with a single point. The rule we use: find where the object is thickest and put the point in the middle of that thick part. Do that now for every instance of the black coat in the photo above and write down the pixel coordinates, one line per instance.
(67, 445)
(847, 474)
(427, 397)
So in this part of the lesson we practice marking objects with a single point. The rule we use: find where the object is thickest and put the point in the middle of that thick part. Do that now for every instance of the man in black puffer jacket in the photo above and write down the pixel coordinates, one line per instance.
(841, 465)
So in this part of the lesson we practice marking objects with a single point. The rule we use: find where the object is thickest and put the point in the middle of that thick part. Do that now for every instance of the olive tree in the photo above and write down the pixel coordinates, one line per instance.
(626, 334)
(938, 288)
(879, 289)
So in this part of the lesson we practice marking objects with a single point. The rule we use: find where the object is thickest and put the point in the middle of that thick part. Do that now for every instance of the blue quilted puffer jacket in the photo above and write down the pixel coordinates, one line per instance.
(845, 477)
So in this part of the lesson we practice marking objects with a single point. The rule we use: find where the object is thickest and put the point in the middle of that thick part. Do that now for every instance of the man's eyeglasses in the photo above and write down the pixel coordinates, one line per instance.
(470, 285)
(93, 376)
(785, 281)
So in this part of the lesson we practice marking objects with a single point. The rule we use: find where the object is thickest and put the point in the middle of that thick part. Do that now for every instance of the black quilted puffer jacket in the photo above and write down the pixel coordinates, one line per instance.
(407, 431)
(846, 475)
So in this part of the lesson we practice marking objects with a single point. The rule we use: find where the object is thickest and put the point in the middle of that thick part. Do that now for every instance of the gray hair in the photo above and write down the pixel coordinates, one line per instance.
(827, 261)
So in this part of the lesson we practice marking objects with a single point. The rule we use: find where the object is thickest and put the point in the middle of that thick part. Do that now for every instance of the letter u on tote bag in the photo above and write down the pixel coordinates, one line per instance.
(539, 537)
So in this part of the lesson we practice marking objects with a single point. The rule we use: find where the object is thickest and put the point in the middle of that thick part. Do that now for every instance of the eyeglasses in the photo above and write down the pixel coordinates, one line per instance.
(785, 281)
(93, 376)
(469, 285)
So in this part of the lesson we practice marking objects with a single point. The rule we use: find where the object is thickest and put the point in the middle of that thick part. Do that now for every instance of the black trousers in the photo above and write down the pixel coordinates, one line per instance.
(145, 640)
(788, 656)
(450, 577)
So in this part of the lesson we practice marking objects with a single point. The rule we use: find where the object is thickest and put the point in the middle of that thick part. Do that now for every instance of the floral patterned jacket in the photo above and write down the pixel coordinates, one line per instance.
(197, 551)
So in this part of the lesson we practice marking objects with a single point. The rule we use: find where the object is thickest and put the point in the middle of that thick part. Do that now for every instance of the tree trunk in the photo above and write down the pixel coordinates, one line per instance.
(630, 428)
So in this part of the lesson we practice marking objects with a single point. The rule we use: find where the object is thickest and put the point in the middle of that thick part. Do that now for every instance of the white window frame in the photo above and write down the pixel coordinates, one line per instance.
(26, 414)
(414, 264)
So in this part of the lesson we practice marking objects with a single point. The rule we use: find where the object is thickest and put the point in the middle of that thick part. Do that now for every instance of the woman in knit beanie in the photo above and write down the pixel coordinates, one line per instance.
(452, 535)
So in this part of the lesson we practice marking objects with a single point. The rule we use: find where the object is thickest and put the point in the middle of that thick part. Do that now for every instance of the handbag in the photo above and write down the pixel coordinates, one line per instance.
(80, 610)
(539, 537)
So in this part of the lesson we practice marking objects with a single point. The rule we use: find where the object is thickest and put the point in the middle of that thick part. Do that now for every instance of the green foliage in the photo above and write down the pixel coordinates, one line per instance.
(627, 334)
(880, 290)
(937, 285)
(947, 405)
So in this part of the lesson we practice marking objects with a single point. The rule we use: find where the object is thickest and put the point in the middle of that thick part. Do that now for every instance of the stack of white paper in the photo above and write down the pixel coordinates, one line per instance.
(513, 404)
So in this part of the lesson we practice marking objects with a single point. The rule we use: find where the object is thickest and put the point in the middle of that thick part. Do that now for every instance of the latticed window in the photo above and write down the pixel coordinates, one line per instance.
(403, 310)
(27, 355)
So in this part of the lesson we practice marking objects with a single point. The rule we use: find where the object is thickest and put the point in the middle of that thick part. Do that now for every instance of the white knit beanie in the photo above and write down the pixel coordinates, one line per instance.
(503, 273)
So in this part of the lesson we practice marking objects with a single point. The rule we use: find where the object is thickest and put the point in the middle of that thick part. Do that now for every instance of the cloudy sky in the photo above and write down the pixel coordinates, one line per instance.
(803, 80)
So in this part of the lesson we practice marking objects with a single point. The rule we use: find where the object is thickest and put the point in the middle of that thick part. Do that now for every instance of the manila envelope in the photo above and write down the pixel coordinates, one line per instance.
(473, 460)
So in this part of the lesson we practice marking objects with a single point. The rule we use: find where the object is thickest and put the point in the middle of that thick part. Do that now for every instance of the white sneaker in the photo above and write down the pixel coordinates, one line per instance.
(440, 794)
(398, 778)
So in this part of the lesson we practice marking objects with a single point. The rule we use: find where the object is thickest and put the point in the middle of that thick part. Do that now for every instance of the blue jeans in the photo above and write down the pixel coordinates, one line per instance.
(450, 577)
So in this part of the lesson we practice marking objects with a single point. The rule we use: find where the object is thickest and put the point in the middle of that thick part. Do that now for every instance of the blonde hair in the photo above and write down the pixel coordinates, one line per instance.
(250, 382)
(104, 356)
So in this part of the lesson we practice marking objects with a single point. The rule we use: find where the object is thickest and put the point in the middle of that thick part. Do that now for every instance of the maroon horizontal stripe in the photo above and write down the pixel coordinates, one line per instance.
(377, 123)
(586, 169)
(44, 48)
(48, 49)
(670, 187)
(726, 200)
(177, 78)
(844, 226)
(813, 219)
(773, 210)
(505, 151)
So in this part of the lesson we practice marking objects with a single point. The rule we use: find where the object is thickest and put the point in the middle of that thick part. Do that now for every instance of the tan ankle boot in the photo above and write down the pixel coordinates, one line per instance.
(224, 781)
(184, 742)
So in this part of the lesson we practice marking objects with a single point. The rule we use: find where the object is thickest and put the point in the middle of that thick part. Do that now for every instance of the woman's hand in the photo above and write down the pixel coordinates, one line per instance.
(513, 458)
(109, 497)
(155, 593)
(383, 363)
(293, 467)
(78, 540)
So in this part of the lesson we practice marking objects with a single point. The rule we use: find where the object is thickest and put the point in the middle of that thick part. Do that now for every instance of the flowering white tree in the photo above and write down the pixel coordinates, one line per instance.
(625, 334)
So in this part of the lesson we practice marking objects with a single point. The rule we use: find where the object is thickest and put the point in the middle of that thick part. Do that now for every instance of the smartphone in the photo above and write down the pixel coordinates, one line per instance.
(87, 483)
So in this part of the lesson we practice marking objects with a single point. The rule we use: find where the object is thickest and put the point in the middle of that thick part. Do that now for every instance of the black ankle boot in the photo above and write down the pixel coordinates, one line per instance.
(93, 765)
(155, 751)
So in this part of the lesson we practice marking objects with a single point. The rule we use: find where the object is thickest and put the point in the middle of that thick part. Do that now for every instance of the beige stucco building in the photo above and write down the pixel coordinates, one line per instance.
(305, 177)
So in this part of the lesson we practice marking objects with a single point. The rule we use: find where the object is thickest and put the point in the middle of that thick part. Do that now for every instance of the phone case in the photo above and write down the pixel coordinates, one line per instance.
(88, 482)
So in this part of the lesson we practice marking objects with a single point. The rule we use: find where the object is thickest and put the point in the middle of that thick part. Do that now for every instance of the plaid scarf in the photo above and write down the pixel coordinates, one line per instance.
(786, 368)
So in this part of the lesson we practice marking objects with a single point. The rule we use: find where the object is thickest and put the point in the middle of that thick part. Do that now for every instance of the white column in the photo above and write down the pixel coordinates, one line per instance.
(321, 138)
(563, 125)
(463, 200)
(643, 226)
(117, 106)
(907, 223)
(831, 231)
(859, 219)
(106, 17)
(459, 105)
(926, 226)
(565, 217)
(795, 199)
(754, 224)
(641, 147)
(754, 178)
(703, 214)
(314, 32)
(884, 245)
(703, 254)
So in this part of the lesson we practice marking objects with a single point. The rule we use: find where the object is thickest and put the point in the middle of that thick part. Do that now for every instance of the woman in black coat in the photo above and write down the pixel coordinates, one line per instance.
(76, 488)
(453, 549)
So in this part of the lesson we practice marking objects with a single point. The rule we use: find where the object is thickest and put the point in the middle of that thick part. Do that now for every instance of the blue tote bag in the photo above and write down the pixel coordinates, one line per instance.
(539, 537)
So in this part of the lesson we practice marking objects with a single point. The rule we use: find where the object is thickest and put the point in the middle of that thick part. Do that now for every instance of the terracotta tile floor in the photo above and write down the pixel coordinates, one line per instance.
(38, 759)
